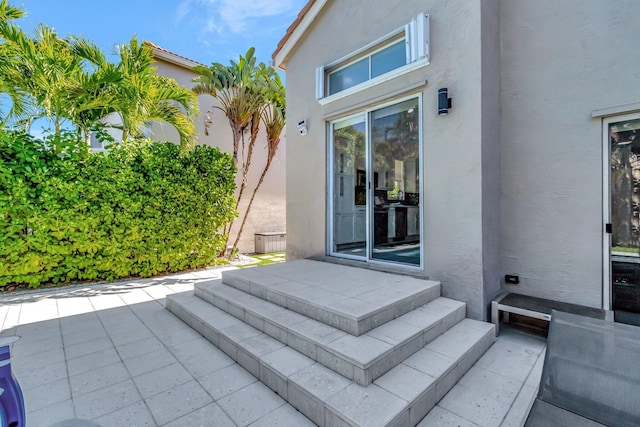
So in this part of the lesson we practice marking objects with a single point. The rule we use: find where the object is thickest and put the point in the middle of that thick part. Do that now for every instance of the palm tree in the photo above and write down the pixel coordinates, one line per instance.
(241, 96)
(259, 88)
(143, 96)
(233, 87)
(8, 63)
(36, 72)
(8, 12)
(273, 116)
(44, 66)
(8, 75)
(70, 82)
(91, 94)
(50, 74)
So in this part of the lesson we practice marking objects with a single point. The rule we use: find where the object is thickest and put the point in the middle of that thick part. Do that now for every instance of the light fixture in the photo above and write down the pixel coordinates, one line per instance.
(444, 102)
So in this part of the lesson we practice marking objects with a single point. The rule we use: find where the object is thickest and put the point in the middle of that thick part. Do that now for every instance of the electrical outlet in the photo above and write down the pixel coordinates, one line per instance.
(512, 279)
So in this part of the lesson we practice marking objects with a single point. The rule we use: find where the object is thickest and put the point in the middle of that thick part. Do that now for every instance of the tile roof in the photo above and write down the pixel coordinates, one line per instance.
(171, 56)
(292, 27)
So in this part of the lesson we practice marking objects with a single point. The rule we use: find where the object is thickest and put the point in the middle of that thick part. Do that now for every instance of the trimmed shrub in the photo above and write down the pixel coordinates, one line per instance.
(139, 210)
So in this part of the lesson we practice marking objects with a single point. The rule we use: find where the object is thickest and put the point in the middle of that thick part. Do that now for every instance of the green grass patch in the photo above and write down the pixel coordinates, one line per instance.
(624, 249)
(265, 259)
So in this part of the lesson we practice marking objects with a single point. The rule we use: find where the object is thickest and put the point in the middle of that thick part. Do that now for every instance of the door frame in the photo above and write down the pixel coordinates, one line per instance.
(607, 285)
(366, 113)
(330, 214)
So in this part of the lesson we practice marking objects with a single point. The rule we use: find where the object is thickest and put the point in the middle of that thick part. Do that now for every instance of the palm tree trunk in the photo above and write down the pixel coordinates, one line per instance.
(247, 162)
(87, 137)
(237, 135)
(245, 170)
(58, 128)
(253, 196)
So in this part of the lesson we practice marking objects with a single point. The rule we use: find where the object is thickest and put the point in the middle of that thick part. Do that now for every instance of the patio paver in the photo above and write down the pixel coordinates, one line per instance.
(113, 354)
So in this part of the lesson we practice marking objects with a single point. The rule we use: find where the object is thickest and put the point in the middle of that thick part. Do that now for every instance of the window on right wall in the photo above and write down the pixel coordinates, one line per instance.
(372, 62)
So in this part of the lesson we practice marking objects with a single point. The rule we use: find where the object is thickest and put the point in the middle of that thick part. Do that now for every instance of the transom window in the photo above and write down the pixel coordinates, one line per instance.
(383, 60)
(392, 52)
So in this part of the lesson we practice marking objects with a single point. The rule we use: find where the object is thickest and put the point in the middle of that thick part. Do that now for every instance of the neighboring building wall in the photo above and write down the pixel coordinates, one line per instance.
(461, 212)
(268, 212)
(560, 61)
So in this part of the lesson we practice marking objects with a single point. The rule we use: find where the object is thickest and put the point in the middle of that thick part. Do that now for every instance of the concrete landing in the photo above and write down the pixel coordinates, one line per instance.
(353, 300)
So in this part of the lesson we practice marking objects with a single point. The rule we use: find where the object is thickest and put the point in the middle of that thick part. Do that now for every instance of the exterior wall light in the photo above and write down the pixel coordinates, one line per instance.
(444, 102)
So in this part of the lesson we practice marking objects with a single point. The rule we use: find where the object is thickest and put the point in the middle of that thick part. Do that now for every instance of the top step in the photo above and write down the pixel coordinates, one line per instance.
(352, 299)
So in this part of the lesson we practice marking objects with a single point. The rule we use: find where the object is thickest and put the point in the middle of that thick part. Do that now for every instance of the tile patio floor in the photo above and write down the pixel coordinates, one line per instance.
(111, 353)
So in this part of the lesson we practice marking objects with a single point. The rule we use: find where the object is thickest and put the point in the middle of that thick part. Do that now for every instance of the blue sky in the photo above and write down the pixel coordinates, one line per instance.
(203, 30)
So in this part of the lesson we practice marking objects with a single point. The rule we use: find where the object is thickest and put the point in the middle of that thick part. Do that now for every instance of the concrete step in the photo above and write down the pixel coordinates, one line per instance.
(402, 396)
(359, 358)
(353, 300)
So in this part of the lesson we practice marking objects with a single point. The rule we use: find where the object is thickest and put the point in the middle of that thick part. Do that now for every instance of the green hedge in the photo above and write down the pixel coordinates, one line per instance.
(138, 210)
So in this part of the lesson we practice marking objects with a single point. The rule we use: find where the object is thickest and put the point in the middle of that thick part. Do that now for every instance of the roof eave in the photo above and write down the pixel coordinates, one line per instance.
(170, 57)
(174, 59)
(292, 38)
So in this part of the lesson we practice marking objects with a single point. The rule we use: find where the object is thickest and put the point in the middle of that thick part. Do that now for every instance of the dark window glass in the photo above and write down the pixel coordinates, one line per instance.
(392, 57)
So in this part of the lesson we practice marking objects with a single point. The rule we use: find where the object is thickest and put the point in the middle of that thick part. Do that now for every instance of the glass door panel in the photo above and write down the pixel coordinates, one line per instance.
(624, 140)
(349, 170)
(395, 160)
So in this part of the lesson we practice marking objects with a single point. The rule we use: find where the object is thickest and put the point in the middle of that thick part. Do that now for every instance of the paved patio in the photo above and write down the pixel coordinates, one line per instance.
(113, 354)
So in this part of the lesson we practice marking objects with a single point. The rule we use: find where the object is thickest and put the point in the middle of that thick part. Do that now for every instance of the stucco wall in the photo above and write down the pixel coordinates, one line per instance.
(455, 219)
(491, 145)
(268, 212)
(560, 60)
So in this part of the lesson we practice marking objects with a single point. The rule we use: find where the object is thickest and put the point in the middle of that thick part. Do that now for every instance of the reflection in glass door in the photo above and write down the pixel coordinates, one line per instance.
(395, 141)
(624, 146)
(349, 178)
(375, 200)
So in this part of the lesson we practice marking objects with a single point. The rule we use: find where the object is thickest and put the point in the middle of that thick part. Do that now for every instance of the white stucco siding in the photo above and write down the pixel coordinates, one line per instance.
(453, 164)
(306, 166)
(560, 61)
(491, 146)
(454, 234)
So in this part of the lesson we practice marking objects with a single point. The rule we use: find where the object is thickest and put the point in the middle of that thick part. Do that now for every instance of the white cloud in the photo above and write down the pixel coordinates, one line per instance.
(234, 16)
(183, 10)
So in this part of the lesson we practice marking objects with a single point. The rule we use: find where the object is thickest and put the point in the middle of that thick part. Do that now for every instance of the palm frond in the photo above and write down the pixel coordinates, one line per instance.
(8, 12)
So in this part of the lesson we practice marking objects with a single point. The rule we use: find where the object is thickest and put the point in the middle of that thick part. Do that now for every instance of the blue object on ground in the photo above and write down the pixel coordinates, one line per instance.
(11, 400)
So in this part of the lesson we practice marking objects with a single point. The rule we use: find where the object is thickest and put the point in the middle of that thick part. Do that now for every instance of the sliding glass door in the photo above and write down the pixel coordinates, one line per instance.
(622, 139)
(375, 182)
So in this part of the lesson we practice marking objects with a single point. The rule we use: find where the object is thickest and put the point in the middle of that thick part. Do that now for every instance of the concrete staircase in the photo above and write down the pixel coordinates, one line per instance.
(345, 346)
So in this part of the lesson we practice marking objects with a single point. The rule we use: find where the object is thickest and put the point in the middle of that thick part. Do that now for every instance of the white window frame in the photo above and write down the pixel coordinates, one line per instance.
(330, 213)
(416, 38)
